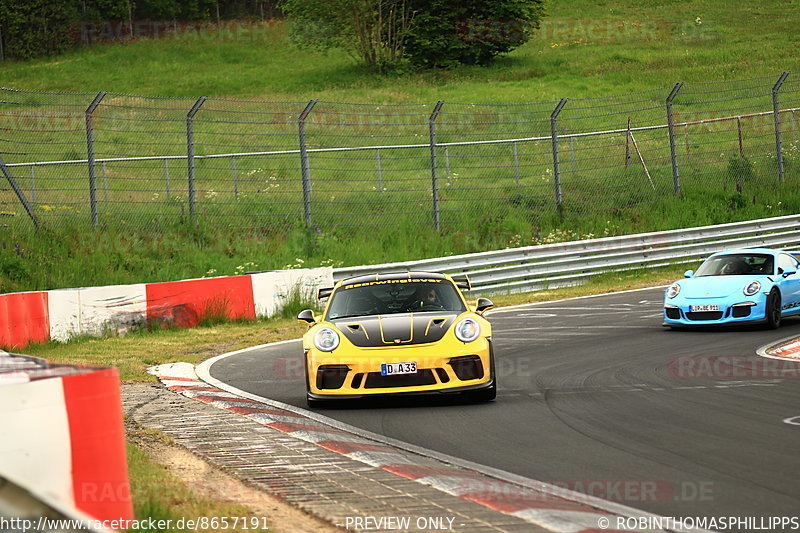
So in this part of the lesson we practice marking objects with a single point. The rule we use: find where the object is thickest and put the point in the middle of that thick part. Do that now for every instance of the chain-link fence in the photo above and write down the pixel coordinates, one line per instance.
(115, 160)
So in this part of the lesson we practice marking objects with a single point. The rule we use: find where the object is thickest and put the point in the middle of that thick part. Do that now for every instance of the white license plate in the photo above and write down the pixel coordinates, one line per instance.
(390, 369)
(702, 308)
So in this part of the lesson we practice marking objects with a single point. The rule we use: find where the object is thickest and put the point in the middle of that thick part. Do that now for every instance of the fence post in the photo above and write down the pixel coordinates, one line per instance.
(435, 183)
(90, 153)
(777, 113)
(627, 144)
(190, 151)
(673, 152)
(554, 136)
(19, 193)
(306, 172)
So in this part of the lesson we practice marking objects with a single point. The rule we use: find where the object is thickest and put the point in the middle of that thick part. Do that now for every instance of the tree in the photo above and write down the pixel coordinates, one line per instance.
(470, 32)
(372, 30)
(36, 27)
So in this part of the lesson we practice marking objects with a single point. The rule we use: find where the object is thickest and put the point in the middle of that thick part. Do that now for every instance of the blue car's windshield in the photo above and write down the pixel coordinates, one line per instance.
(737, 265)
(387, 297)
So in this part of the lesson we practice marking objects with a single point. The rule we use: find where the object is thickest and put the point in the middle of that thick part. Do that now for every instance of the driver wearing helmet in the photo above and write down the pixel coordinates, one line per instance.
(423, 297)
(734, 266)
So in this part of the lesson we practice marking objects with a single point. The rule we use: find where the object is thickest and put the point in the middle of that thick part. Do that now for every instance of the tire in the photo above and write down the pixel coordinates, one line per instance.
(773, 311)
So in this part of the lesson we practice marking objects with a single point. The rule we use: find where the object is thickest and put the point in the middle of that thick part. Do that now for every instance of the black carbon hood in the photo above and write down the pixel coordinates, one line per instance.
(395, 330)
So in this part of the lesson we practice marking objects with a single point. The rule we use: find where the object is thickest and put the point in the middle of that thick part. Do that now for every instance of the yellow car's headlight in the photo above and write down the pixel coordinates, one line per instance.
(326, 339)
(467, 330)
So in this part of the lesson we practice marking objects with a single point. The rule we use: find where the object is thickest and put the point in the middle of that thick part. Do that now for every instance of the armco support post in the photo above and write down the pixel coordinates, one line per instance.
(90, 154)
(676, 184)
(776, 110)
(554, 136)
(434, 175)
(304, 167)
(190, 151)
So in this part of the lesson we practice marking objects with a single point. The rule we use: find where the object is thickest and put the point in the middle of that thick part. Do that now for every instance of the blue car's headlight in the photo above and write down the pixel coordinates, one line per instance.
(673, 290)
(752, 288)
(467, 330)
(326, 339)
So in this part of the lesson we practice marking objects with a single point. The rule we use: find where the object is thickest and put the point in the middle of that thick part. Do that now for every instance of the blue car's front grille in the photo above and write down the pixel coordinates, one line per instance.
(704, 315)
(740, 311)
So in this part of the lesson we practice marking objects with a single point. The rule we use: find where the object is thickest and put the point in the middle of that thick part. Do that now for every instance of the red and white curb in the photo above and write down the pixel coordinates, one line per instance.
(39, 316)
(558, 509)
(787, 349)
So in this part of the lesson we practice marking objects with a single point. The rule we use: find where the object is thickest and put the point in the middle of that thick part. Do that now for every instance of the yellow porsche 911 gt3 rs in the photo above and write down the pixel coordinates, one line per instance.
(398, 334)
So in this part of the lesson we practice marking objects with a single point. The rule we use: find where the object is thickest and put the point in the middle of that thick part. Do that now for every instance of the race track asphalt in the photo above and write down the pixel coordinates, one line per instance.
(596, 396)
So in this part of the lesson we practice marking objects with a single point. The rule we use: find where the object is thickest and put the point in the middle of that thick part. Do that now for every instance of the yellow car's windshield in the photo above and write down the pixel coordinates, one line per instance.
(394, 296)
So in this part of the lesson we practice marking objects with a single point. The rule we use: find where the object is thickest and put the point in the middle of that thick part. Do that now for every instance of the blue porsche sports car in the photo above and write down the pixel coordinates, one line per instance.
(736, 287)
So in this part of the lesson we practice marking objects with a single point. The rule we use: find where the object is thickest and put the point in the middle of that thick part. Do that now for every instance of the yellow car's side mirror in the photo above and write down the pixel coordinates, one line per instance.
(484, 304)
(306, 315)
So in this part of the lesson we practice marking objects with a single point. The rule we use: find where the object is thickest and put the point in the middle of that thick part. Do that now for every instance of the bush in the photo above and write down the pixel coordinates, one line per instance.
(373, 31)
(740, 169)
(446, 33)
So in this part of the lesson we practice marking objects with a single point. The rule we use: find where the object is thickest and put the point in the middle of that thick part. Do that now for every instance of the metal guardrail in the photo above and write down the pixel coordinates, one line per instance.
(550, 266)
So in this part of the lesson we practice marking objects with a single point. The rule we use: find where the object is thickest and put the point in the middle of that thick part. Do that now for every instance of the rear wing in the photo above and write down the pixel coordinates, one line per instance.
(462, 281)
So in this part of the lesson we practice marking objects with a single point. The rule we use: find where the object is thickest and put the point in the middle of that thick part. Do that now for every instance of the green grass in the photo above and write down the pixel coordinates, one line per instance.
(74, 256)
(585, 49)
(134, 352)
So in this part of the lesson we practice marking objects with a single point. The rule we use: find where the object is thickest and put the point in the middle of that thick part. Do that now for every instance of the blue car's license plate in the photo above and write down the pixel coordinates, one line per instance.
(702, 308)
